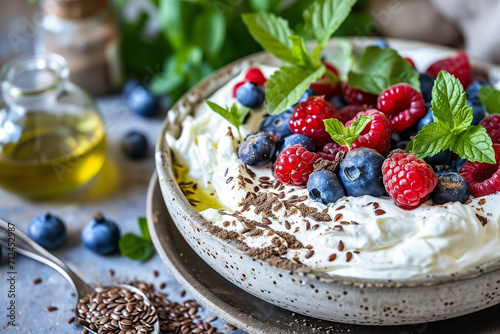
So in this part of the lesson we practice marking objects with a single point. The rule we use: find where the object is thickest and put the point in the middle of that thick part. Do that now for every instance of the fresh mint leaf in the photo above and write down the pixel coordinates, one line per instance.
(449, 103)
(432, 139)
(346, 136)
(475, 145)
(272, 33)
(170, 16)
(143, 225)
(300, 53)
(324, 17)
(210, 31)
(490, 98)
(378, 69)
(135, 247)
(234, 115)
(286, 86)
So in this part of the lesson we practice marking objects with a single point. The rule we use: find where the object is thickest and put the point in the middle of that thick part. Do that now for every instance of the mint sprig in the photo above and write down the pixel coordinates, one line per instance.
(234, 115)
(452, 127)
(346, 136)
(490, 98)
(137, 247)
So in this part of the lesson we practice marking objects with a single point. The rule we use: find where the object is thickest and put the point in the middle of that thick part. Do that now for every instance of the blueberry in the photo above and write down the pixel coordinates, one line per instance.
(451, 187)
(250, 95)
(442, 158)
(381, 43)
(458, 163)
(141, 101)
(473, 91)
(277, 125)
(129, 86)
(426, 84)
(361, 173)
(257, 149)
(478, 112)
(307, 94)
(101, 235)
(294, 140)
(399, 145)
(325, 187)
(47, 230)
(135, 145)
(339, 101)
(427, 119)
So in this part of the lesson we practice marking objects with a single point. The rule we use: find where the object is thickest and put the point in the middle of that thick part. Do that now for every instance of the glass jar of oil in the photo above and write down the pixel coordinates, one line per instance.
(52, 138)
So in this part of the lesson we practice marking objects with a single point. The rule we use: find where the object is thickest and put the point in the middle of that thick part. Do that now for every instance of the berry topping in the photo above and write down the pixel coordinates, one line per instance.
(427, 119)
(408, 180)
(277, 125)
(350, 111)
(478, 112)
(442, 158)
(135, 145)
(361, 173)
(356, 96)
(325, 85)
(307, 119)
(250, 95)
(473, 91)
(294, 165)
(254, 75)
(483, 178)
(238, 85)
(141, 101)
(377, 134)
(47, 230)
(257, 149)
(324, 186)
(451, 187)
(492, 125)
(404, 104)
(457, 65)
(330, 151)
(101, 235)
(426, 84)
(409, 60)
(294, 140)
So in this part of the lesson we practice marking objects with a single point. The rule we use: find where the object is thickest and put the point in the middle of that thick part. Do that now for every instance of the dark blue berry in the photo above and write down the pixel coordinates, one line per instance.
(427, 119)
(257, 149)
(426, 84)
(277, 125)
(294, 140)
(101, 235)
(478, 112)
(361, 173)
(250, 95)
(473, 91)
(141, 101)
(339, 101)
(451, 187)
(458, 163)
(129, 86)
(325, 187)
(47, 230)
(381, 43)
(443, 158)
(307, 94)
(399, 145)
(135, 145)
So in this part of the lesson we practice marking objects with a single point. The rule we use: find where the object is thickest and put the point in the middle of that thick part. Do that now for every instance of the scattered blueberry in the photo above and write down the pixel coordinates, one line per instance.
(339, 101)
(277, 125)
(325, 187)
(473, 91)
(101, 235)
(451, 187)
(141, 101)
(129, 86)
(47, 230)
(381, 43)
(294, 140)
(250, 95)
(427, 119)
(426, 84)
(361, 173)
(257, 149)
(478, 112)
(308, 93)
(135, 145)
(443, 158)
(458, 163)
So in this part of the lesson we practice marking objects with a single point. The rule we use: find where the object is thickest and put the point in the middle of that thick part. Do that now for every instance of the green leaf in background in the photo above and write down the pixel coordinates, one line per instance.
(143, 225)
(432, 139)
(135, 247)
(379, 69)
(343, 59)
(324, 17)
(285, 87)
(475, 145)
(272, 33)
(346, 136)
(210, 31)
(490, 98)
(170, 17)
(300, 53)
(234, 115)
(264, 5)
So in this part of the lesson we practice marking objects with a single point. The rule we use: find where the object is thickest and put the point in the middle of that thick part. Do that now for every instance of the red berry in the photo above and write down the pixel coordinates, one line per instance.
(412, 63)
(307, 119)
(377, 134)
(325, 86)
(235, 88)
(254, 75)
(330, 151)
(492, 125)
(408, 180)
(483, 178)
(403, 104)
(350, 111)
(294, 165)
(356, 96)
(457, 65)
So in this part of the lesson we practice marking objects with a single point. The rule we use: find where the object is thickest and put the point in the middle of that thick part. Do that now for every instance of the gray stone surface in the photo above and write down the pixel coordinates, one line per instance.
(119, 192)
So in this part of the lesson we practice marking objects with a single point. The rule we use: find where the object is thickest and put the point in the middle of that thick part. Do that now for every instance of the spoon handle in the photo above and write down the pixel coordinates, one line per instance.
(13, 239)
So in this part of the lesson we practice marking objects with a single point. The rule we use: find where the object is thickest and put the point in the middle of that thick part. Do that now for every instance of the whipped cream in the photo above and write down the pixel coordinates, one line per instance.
(366, 237)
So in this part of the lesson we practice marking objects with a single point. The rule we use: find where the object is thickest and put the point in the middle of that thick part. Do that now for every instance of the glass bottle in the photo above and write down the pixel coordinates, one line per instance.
(52, 138)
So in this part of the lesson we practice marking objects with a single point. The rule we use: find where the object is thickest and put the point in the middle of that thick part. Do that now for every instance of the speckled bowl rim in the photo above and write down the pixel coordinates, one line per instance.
(162, 154)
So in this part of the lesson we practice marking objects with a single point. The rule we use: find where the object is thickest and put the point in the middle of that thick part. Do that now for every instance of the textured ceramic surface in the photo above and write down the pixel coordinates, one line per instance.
(334, 298)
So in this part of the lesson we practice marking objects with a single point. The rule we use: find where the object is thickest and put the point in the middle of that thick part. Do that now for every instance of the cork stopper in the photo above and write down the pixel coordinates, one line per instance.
(73, 9)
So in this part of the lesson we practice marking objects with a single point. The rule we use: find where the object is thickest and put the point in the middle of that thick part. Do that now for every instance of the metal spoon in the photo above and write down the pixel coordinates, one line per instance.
(27, 247)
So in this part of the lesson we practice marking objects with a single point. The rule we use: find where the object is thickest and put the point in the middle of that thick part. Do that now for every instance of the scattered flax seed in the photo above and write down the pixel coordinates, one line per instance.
(325, 210)
(247, 180)
(155, 273)
(340, 208)
(182, 293)
(355, 252)
(263, 178)
(229, 179)
(348, 256)
(245, 208)
(37, 281)
(379, 212)
(308, 225)
(70, 320)
(225, 223)
(256, 189)
(315, 227)
(303, 198)
(111, 272)
(376, 205)
(354, 223)
(332, 257)
(309, 253)
(227, 170)
(266, 221)
(51, 308)
(163, 285)
(340, 247)
(281, 195)
(287, 225)
(338, 228)
(338, 216)
(231, 327)
(210, 319)
(309, 246)
(345, 223)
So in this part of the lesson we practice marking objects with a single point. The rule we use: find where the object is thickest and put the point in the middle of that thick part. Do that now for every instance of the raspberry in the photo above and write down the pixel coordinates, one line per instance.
(350, 111)
(325, 86)
(255, 76)
(483, 178)
(457, 65)
(408, 180)
(412, 63)
(307, 119)
(377, 134)
(294, 165)
(330, 151)
(404, 104)
(492, 125)
(356, 96)
(238, 85)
